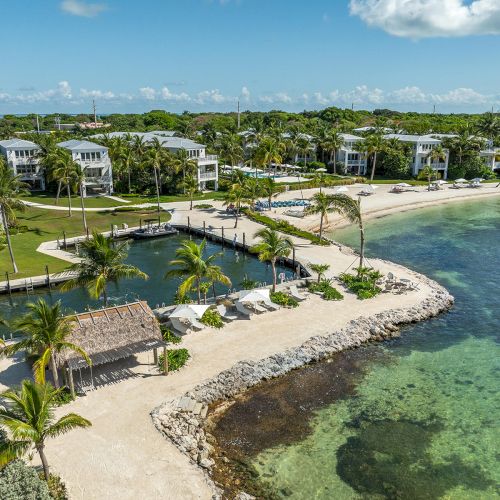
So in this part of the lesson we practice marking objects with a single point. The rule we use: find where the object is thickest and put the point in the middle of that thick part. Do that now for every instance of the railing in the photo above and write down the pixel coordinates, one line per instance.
(208, 175)
(105, 179)
(208, 158)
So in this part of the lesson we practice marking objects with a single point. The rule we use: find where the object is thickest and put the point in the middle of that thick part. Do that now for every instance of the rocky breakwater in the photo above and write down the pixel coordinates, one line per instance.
(182, 421)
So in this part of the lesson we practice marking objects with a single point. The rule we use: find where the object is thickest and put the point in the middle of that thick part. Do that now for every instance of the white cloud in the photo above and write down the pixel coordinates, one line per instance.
(169, 96)
(97, 94)
(461, 96)
(278, 97)
(148, 93)
(245, 94)
(213, 96)
(82, 9)
(430, 18)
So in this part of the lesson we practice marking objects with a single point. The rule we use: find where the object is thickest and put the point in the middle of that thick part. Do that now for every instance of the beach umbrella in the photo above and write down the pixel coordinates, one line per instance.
(189, 311)
(321, 170)
(342, 189)
(403, 185)
(257, 295)
(461, 180)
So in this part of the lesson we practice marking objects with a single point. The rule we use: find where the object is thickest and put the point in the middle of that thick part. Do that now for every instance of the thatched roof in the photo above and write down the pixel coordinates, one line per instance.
(113, 333)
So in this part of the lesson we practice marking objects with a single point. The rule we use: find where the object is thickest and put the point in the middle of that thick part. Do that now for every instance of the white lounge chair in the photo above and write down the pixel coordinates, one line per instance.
(196, 325)
(271, 306)
(257, 308)
(224, 314)
(178, 325)
(240, 307)
(296, 294)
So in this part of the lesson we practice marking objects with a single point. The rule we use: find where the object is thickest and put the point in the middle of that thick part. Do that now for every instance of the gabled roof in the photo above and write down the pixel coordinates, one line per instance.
(18, 143)
(113, 333)
(166, 138)
(413, 138)
(350, 137)
(77, 145)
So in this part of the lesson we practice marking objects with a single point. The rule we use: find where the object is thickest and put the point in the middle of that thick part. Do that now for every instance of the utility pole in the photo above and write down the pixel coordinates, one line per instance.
(58, 122)
(37, 124)
(352, 106)
(434, 110)
(95, 117)
(238, 114)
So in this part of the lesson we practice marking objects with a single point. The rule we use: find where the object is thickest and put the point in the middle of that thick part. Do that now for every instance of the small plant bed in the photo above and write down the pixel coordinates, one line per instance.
(212, 318)
(283, 299)
(203, 206)
(325, 288)
(284, 227)
(363, 284)
(169, 336)
(177, 358)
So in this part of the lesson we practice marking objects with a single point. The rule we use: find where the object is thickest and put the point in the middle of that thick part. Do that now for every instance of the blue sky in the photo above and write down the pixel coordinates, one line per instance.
(133, 56)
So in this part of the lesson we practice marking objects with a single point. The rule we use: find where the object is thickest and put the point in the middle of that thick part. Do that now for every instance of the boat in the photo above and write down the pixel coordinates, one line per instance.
(154, 232)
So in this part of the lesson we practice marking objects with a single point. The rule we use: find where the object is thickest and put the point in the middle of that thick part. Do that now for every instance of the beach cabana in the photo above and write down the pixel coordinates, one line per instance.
(112, 334)
(185, 317)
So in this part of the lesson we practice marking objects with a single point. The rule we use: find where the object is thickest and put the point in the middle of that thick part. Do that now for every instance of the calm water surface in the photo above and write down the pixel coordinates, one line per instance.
(415, 418)
(152, 257)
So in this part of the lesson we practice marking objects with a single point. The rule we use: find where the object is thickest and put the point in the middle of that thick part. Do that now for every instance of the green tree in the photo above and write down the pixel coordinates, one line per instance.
(322, 204)
(155, 158)
(45, 332)
(64, 169)
(79, 180)
(11, 188)
(428, 173)
(271, 247)
(29, 418)
(183, 163)
(190, 187)
(103, 263)
(319, 269)
(269, 189)
(374, 144)
(235, 197)
(190, 263)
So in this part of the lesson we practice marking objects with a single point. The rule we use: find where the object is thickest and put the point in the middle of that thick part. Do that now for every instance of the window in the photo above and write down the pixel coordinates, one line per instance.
(94, 156)
(93, 172)
(26, 169)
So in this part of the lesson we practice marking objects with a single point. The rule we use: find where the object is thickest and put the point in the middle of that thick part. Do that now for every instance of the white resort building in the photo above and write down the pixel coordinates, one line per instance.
(22, 158)
(353, 161)
(95, 163)
(208, 167)
(422, 145)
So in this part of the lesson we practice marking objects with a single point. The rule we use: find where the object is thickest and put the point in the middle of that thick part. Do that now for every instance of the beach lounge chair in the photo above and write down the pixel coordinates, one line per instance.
(225, 314)
(240, 307)
(258, 308)
(196, 325)
(271, 305)
(179, 326)
(296, 294)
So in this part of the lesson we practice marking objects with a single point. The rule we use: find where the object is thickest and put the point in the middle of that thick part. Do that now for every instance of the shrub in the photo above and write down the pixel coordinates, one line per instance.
(128, 209)
(362, 284)
(248, 283)
(177, 358)
(212, 318)
(20, 482)
(203, 206)
(283, 299)
(325, 287)
(284, 227)
(169, 336)
(64, 397)
(57, 488)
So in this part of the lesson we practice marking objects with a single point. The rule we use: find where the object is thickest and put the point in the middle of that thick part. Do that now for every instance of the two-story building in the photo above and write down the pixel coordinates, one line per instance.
(421, 147)
(353, 161)
(95, 163)
(22, 157)
(208, 166)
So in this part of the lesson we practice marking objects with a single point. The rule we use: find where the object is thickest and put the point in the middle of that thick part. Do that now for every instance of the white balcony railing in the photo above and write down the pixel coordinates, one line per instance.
(207, 158)
(208, 175)
(102, 179)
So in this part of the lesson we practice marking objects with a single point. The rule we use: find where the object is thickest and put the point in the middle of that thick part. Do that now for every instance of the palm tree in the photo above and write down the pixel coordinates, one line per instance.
(322, 204)
(252, 191)
(235, 196)
(45, 331)
(154, 158)
(29, 418)
(79, 180)
(320, 180)
(230, 149)
(128, 158)
(489, 126)
(334, 142)
(271, 247)
(269, 188)
(183, 163)
(319, 269)
(190, 185)
(64, 168)
(102, 264)
(191, 264)
(436, 154)
(11, 188)
(270, 150)
(374, 144)
(428, 173)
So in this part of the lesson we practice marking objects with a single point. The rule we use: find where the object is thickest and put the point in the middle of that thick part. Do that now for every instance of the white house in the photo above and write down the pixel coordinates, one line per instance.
(95, 163)
(22, 158)
(421, 146)
(353, 161)
(207, 164)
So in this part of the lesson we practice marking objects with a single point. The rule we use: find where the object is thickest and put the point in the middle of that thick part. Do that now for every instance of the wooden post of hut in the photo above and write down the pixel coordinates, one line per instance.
(155, 356)
(165, 361)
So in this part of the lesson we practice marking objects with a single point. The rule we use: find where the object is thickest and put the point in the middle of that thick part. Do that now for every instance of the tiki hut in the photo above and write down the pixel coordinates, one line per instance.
(112, 334)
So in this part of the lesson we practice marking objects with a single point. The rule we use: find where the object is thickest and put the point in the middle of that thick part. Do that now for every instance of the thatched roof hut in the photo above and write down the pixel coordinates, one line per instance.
(114, 333)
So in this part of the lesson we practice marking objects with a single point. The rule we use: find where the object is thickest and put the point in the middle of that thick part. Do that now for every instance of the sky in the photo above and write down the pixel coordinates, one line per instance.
(205, 55)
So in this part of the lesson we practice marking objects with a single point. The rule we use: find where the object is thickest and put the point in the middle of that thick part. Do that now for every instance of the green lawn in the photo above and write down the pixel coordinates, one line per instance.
(165, 198)
(50, 199)
(46, 225)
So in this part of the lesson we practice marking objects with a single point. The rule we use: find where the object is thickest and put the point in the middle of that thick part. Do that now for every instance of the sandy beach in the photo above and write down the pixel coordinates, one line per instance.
(123, 455)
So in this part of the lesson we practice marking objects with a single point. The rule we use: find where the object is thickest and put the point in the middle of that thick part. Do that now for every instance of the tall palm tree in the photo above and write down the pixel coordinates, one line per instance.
(270, 151)
(270, 188)
(235, 196)
(428, 173)
(322, 204)
(271, 247)
(154, 158)
(436, 154)
(190, 186)
(102, 264)
(230, 148)
(45, 332)
(128, 158)
(29, 418)
(190, 263)
(374, 144)
(11, 188)
(334, 142)
(489, 126)
(64, 168)
(320, 180)
(183, 163)
(79, 181)
(252, 191)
